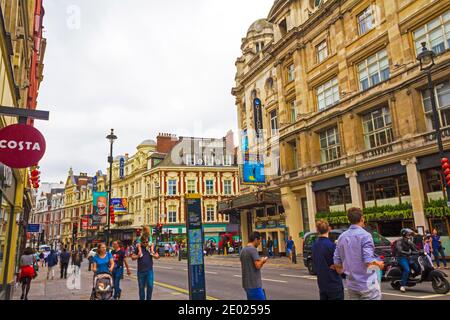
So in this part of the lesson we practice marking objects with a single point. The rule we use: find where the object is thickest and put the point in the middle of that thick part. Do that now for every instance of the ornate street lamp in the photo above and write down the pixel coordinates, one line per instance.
(111, 138)
(426, 59)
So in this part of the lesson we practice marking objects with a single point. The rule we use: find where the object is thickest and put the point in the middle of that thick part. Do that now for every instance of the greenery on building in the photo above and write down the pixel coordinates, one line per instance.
(437, 209)
(388, 212)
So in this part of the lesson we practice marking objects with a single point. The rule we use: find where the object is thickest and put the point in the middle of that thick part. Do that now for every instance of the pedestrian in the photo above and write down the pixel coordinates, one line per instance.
(28, 264)
(120, 259)
(270, 247)
(42, 258)
(418, 240)
(77, 259)
(64, 263)
(166, 249)
(52, 261)
(103, 261)
(428, 247)
(289, 247)
(251, 264)
(146, 234)
(355, 257)
(145, 269)
(328, 280)
(438, 249)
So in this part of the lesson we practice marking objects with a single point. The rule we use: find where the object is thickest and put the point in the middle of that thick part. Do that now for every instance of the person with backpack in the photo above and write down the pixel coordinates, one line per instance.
(77, 259)
(403, 250)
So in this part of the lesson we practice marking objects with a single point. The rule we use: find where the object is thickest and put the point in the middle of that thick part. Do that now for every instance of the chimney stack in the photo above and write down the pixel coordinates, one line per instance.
(165, 142)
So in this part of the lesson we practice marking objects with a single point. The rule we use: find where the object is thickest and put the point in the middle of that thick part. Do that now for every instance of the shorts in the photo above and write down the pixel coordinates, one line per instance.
(256, 294)
(288, 252)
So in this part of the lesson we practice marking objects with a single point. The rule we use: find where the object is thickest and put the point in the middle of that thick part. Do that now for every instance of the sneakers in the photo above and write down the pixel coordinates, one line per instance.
(402, 289)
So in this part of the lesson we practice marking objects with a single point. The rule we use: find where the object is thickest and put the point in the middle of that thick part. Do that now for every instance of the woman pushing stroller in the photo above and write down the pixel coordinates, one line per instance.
(103, 265)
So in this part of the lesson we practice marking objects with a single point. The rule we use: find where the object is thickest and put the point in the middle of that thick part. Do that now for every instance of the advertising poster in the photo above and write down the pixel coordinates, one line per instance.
(120, 205)
(100, 206)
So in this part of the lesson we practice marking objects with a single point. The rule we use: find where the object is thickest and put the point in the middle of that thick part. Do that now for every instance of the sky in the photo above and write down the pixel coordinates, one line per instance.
(141, 67)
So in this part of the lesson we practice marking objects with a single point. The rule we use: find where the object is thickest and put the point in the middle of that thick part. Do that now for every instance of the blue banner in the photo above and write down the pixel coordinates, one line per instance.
(122, 167)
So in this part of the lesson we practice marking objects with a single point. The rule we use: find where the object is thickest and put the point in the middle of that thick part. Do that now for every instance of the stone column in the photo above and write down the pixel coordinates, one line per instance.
(312, 208)
(244, 227)
(416, 191)
(294, 220)
(355, 189)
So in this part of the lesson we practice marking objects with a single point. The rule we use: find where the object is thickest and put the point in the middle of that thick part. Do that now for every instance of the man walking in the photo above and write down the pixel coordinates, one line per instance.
(77, 259)
(64, 258)
(355, 257)
(120, 259)
(329, 281)
(251, 268)
(52, 261)
(290, 247)
(270, 247)
(145, 269)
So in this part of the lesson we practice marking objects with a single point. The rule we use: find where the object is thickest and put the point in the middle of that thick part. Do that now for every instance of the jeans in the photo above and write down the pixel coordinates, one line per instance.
(406, 269)
(145, 279)
(271, 252)
(64, 270)
(372, 294)
(335, 295)
(51, 270)
(117, 275)
(436, 254)
(256, 294)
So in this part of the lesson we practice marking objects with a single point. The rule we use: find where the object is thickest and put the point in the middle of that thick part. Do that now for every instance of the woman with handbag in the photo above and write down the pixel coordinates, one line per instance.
(27, 271)
(438, 250)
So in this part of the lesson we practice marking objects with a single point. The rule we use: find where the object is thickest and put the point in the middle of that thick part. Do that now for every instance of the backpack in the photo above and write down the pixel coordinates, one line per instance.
(394, 248)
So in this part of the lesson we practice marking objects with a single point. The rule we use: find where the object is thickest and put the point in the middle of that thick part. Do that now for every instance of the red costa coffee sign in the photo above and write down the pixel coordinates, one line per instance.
(21, 146)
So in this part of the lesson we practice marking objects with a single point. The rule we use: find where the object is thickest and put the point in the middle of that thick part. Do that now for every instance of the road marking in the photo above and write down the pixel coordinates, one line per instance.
(434, 296)
(264, 279)
(302, 277)
(161, 267)
(210, 272)
(168, 286)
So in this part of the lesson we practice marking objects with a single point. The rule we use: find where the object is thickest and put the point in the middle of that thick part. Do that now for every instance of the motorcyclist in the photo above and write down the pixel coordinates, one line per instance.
(405, 248)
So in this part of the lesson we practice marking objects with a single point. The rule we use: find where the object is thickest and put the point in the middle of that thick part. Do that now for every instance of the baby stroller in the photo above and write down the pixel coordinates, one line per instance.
(103, 287)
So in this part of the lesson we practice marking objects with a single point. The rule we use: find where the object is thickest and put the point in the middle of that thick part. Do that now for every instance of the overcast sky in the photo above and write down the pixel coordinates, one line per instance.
(140, 67)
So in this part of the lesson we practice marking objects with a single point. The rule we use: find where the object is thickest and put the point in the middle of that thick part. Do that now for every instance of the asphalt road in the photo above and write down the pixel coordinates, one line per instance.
(224, 282)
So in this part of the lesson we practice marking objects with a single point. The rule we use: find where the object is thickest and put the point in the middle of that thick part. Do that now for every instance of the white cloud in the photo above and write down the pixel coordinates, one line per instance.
(141, 67)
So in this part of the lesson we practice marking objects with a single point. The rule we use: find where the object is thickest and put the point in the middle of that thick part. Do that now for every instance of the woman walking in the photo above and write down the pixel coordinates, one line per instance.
(27, 273)
(103, 261)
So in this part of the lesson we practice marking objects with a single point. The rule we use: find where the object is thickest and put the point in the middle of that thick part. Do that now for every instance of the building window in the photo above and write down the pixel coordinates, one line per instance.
(377, 126)
(322, 51)
(283, 27)
(172, 187)
(274, 122)
(209, 160)
(335, 199)
(373, 70)
(366, 20)
(433, 186)
(228, 187)
(290, 73)
(293, 111)
(442, 94)
(327, 94)
(190, 160)
(210, 213)
(294, 152)
(191, 186)
(259, 46)
(209, 186)
(172, 214)
(436, 34)
(386, 191)
(227, 160)
(330, 147)
(226, 217)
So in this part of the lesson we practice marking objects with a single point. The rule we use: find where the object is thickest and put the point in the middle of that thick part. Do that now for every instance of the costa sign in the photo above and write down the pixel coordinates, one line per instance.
(21, 146)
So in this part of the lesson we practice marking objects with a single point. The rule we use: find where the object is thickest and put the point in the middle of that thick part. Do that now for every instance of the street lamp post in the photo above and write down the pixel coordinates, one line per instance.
(157, 187)
(426, 59)
(111, 137)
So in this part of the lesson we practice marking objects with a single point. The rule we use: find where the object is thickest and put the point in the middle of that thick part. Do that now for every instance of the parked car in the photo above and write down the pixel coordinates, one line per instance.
(382, 246)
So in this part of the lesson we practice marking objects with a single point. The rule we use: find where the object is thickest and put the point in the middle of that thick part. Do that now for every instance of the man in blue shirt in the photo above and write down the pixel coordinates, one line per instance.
(329, 281)
(289, 247)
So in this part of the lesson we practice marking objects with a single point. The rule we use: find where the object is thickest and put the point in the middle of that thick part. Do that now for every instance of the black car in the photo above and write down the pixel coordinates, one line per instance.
(382, 246)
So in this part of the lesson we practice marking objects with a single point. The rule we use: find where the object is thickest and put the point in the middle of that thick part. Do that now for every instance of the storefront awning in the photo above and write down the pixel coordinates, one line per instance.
(249, 201)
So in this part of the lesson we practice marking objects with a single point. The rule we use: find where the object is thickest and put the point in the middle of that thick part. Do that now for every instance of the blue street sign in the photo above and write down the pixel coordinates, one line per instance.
(94, 183)
(196, 264)
(34, 228)
(122, 167)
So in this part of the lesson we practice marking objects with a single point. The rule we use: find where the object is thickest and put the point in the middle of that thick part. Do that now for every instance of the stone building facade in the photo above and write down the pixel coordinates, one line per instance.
(346, 112)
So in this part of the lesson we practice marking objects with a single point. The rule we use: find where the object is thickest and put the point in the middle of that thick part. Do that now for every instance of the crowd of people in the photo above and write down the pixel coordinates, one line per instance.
(349, 261)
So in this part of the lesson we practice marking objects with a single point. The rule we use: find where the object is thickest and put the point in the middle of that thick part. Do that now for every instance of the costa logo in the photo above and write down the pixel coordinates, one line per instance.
(21, 146)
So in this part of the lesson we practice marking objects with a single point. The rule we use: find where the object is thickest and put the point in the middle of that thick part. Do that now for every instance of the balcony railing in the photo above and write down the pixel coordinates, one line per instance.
(330, 164)
(381, 150)
(431, 136)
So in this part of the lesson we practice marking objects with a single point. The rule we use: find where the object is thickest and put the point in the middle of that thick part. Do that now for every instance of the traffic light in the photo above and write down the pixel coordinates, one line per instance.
(111, 215)
(446, 169)
(35, 178)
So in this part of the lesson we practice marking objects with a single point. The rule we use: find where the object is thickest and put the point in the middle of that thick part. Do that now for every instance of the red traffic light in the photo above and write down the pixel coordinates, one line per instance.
(446, 166)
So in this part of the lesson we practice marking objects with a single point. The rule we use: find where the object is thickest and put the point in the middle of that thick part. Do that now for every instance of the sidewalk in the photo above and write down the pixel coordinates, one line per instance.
(277, 262)
(80, 289)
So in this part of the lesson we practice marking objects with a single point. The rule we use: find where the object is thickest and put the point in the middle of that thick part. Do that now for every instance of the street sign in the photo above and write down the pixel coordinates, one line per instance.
(122, 167)
(21, 146)
(196, 264)
(94, 184)
(34, 228)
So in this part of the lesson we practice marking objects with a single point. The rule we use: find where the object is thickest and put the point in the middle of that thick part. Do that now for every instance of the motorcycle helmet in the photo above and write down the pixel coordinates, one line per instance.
(406, 231)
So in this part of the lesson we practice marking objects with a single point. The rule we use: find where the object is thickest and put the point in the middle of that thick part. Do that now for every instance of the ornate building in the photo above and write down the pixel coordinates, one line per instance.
(345, 103)
(22, 55)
